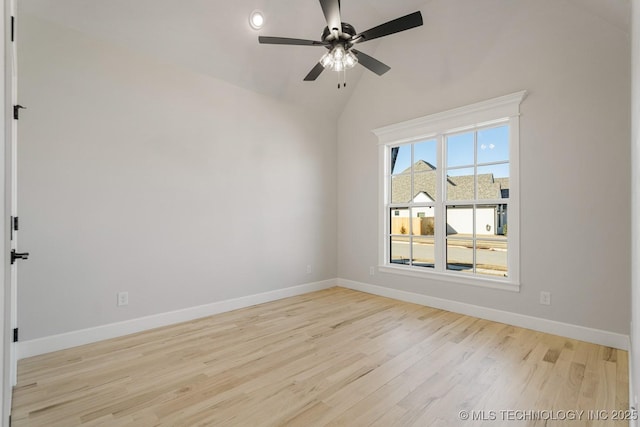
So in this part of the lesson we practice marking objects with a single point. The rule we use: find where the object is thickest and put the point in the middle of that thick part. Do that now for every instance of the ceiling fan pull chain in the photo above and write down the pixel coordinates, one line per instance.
(344, 79)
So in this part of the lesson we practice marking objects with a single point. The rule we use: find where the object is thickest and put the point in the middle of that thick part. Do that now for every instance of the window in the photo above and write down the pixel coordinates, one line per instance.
(449, 195)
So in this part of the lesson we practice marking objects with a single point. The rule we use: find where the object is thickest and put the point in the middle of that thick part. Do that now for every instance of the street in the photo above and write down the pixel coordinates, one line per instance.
(491, 259)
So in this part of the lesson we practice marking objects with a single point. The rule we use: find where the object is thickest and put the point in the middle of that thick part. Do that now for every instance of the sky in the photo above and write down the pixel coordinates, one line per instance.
(493, 146)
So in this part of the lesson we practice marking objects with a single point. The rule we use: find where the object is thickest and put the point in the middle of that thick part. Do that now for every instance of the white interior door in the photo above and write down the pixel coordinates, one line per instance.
(9, 376)
(13, 208)
(5, 333)
(14, 224)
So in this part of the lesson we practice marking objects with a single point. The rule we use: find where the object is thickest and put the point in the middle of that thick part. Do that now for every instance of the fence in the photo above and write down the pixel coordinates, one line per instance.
(420, 226)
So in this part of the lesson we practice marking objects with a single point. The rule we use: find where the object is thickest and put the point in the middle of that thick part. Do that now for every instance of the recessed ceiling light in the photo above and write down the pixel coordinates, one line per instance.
(256, 19)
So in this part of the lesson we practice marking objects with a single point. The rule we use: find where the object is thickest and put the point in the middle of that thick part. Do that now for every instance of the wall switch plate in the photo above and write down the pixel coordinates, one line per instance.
(123, 298)
(545, 298)
(372, 271)
(309, 269)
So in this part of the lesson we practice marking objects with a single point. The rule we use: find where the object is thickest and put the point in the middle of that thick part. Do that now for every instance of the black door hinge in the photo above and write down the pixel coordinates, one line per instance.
(15, 334)
(16, 111)
(13, 28)
(13, 225)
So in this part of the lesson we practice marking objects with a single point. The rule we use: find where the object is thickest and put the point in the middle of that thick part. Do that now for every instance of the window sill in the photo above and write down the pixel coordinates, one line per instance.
(453, 277)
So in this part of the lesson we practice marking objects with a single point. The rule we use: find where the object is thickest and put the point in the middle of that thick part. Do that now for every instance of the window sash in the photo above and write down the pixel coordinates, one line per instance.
(441, 203)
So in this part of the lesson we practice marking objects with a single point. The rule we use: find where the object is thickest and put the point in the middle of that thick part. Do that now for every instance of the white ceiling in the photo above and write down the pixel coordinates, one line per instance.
(214, 37)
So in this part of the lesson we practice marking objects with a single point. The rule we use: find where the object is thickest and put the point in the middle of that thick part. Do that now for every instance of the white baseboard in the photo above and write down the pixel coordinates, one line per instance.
(86, 336)
(596, 336)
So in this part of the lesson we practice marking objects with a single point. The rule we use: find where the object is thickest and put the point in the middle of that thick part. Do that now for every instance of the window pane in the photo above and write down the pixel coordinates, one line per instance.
(486, 220)
(401, 188)
(423, 254)
(399, 221)
(493, 144)
(425, 156)
(460, 255)
(399, 250)
(422, 221)
(425, 187)
(501, 220)
(460, 184)
(491, 257)
(493, 182)
(460, 150)
(460, 221)
(400, 159)
(490, 220)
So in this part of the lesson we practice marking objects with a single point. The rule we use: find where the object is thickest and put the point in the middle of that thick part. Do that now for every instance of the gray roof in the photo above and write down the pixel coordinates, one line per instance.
(458, 187)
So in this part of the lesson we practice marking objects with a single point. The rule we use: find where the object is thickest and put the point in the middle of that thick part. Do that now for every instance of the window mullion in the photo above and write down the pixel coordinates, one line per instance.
(412, 196)
(475, 168)
(475, 264)
(476, 185)
(440, 242)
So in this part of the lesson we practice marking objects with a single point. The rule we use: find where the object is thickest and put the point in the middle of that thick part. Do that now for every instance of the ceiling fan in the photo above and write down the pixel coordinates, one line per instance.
(340, 37)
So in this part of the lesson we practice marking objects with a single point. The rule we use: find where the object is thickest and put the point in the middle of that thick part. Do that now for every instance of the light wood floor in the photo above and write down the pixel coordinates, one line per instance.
(334, 357)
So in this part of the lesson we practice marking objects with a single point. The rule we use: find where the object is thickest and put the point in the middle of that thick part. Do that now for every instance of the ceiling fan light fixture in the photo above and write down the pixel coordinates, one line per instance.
(338, 59)
(350, 60)
(256, 19)
(327, 60)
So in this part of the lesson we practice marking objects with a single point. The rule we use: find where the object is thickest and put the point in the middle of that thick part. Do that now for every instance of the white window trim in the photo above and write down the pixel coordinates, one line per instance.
(504, 109)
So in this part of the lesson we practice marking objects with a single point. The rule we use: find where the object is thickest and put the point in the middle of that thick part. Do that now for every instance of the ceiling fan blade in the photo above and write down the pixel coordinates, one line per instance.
(406, 22)
(314, 73)
(288, 41)
(371, 63)
(331, 10)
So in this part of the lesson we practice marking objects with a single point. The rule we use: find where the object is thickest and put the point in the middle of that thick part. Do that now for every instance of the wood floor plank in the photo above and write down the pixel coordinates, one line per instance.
(334, 357)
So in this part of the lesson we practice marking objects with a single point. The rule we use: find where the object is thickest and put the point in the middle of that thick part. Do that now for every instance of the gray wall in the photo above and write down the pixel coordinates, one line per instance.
(139, 176)
(183, 190)
(574, 170)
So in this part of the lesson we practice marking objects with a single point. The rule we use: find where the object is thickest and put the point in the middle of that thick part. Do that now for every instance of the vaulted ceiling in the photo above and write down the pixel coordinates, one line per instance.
(214, 37)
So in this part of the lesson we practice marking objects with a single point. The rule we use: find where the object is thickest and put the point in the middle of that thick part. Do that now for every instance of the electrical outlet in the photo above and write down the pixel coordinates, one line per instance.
(545, 298)
(372, 271)
(309, 269)
(123, 298)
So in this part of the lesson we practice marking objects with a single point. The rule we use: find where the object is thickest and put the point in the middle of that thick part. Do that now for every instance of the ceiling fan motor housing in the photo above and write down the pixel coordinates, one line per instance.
(348, 32)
